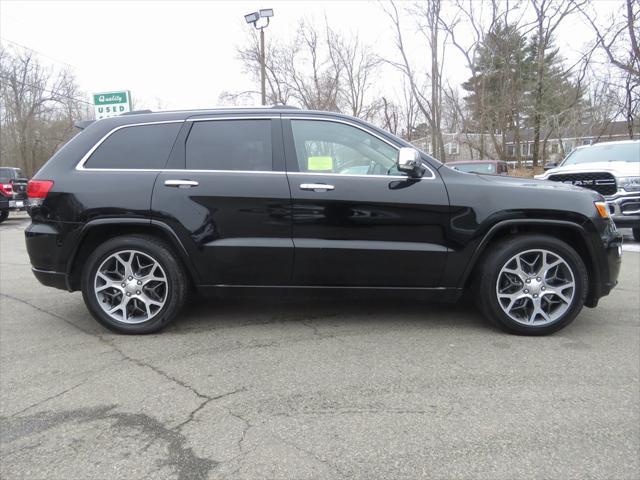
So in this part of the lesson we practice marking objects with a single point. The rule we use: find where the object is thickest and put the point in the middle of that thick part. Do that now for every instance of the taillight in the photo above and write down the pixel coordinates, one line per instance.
(37, 190)
(7, 189)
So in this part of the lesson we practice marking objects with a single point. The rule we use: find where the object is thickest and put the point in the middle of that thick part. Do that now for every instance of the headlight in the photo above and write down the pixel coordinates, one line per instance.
(630, 184)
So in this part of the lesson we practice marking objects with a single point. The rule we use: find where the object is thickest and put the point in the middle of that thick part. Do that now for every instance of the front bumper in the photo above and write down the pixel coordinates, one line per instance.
(624, 208)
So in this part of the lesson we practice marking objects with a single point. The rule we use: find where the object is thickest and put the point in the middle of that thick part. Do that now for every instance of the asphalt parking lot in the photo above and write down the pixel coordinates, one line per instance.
(313, 388)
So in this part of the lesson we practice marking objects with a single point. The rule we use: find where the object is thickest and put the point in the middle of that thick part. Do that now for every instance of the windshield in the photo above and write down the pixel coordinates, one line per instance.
(475, 167)
(620, 152)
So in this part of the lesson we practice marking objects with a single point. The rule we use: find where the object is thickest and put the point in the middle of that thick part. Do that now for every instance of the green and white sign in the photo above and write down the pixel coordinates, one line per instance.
(110, 104)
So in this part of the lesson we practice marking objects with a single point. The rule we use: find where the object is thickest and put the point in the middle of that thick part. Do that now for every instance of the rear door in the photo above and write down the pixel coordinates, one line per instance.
(357, 220)
(226, 196)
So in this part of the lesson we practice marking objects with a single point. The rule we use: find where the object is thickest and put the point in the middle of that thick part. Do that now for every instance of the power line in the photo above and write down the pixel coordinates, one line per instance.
(69, 97)
(39, 53)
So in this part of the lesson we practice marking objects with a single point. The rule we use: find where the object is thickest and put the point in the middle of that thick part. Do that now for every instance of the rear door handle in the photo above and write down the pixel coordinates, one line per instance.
(316, 187)
(181, 183)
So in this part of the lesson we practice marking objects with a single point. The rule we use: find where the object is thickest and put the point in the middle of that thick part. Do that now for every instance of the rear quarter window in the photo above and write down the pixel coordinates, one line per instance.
(136, 147)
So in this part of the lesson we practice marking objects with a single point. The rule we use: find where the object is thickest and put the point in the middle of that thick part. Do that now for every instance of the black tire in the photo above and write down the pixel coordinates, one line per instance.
(499, 254)
(3, 215)
(177, 282)
(636, 234)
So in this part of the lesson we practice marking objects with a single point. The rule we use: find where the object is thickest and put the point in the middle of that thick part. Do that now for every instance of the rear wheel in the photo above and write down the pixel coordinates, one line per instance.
(3, 215)
(134, 284)
(532, 285)
(636, 234)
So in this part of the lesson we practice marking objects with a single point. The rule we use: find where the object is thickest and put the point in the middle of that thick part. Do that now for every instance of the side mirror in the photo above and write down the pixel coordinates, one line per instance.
(549, 166)
(409, 161)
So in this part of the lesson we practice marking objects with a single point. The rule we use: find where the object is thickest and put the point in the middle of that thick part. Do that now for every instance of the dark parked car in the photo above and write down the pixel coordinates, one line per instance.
(138, 210)
(13, 191)
(489, 167)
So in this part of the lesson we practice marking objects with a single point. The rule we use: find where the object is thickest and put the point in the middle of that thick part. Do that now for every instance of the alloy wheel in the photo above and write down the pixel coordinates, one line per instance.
(535, 287)
(131, 286)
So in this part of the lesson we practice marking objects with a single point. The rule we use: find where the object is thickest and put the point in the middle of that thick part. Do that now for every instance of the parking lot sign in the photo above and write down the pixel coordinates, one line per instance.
(110, 104)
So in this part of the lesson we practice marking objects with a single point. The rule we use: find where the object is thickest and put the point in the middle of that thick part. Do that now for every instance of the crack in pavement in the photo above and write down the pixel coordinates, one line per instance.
(206, 399)
(110, 343)
(182, 459)
(48, 399)
(314, 456)
(204, 404)
(247, 427)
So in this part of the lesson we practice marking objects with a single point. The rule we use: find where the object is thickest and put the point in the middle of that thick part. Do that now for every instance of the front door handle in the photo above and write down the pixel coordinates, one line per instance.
(316, 187)
(181, 183)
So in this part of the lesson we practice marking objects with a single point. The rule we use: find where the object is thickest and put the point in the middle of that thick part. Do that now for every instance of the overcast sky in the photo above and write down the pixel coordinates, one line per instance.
(184, 52)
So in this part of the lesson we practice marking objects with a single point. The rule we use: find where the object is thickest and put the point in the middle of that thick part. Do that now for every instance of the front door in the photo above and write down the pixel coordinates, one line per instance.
(357, 220)
(227, 198)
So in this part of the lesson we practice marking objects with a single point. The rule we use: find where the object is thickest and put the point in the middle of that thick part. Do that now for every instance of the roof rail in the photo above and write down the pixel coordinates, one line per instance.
(136, 112)
(285, 107)
(82, 124)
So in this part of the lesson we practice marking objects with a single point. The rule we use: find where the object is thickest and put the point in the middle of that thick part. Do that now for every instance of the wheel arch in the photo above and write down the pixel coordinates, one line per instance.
(97, 231)
(571, 233)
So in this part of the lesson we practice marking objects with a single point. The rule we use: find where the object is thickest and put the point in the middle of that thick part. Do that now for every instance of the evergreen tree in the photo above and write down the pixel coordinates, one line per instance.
(501, 77)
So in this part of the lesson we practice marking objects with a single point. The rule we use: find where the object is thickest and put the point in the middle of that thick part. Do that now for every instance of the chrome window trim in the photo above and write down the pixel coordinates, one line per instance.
(253, 117)
(80, 165)
(183, 170)
(318, 174)
(366, 130)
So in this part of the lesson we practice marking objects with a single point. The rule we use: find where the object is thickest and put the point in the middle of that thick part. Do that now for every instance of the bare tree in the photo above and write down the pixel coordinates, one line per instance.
(317, 69)
(618, 37)
(549, 15)
(39, 108)
(467, 29)
(357, 66)
(428, 15)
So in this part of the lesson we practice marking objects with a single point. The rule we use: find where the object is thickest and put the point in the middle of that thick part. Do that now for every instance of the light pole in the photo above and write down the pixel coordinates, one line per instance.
(254, 18)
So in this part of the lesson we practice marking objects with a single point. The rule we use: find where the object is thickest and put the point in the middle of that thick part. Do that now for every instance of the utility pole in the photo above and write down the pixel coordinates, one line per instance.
(262, 69)
(255, 17)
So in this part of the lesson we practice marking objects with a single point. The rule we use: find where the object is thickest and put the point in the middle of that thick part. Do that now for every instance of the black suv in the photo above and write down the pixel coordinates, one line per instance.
(138, 210)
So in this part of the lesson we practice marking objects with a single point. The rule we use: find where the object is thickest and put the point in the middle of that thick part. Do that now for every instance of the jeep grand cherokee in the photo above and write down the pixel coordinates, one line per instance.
(137, 210)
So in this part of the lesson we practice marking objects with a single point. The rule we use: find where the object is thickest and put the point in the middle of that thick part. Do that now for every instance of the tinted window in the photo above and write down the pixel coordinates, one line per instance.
(331, 147)
(144, 146)
(230, 145)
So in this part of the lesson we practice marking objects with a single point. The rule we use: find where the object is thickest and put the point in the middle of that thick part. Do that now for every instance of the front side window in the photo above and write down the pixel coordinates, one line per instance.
(136, 147)
(230, 145)
(332, 147)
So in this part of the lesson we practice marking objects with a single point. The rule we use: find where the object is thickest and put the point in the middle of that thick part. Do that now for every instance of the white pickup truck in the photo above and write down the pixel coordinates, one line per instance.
(611, 169)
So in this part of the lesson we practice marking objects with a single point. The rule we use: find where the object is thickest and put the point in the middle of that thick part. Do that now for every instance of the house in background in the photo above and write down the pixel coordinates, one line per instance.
(476, 146)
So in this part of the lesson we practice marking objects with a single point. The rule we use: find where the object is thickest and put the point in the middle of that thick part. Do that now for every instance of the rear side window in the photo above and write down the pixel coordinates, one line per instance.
(230, 145)
(141, 146)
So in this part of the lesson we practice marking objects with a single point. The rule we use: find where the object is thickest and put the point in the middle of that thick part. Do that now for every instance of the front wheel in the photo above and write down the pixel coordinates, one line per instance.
(532, 285)
(3, 215)
(636, 234)
(134, 284)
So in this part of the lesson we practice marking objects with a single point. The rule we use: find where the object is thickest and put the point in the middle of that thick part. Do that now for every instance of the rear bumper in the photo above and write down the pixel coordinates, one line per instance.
(49, 246)
(12, 203)
(51, 279)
